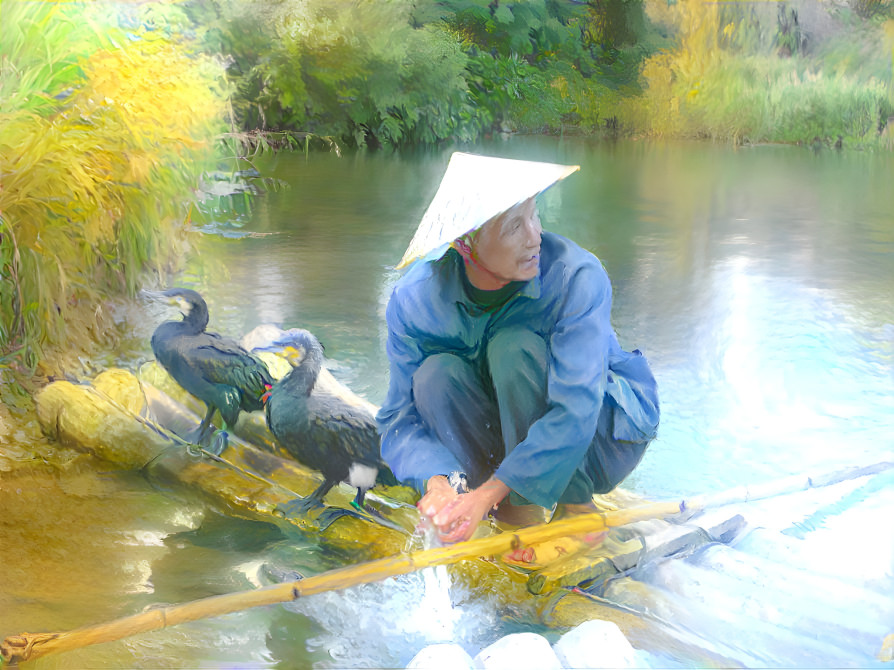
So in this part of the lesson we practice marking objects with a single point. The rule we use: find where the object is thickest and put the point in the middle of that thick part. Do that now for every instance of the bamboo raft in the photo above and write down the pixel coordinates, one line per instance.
(131, 421)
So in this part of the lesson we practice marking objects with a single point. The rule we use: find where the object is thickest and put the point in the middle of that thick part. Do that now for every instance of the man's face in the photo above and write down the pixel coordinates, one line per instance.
(508, 246)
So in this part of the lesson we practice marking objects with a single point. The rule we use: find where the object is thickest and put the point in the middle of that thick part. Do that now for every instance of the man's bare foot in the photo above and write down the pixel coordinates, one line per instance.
(535, 556)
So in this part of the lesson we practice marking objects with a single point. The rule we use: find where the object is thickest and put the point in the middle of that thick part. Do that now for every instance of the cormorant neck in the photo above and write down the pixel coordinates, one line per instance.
(303, 376)
(197, 319)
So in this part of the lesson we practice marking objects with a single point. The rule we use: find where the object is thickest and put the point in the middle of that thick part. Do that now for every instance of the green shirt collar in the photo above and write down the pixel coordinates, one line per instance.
(466, 293)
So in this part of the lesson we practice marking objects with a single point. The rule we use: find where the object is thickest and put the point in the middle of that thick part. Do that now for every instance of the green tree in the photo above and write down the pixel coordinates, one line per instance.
(360, 73)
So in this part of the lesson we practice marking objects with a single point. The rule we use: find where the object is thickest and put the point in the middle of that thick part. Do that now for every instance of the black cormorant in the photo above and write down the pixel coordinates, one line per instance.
(320, 429)
(213, 368)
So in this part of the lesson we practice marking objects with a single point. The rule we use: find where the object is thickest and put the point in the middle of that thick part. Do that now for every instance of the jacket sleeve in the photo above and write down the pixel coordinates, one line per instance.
(408, 447)
(540, 467)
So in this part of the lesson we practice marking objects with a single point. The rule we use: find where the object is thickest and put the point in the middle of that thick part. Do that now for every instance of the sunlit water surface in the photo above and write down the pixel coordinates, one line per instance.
(759, 283)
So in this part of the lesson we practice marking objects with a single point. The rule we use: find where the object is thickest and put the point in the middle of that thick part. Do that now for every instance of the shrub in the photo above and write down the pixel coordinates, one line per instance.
(99, 163)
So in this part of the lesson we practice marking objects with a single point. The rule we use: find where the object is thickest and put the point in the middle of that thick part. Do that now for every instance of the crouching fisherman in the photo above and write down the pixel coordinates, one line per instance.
(508, 388)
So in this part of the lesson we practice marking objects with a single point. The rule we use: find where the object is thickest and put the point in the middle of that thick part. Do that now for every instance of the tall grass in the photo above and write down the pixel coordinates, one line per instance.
(101, 151)
(726, 80)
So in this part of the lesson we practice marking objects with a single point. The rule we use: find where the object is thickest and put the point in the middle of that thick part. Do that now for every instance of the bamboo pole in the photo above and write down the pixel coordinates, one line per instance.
(781, 486)
(29, 646)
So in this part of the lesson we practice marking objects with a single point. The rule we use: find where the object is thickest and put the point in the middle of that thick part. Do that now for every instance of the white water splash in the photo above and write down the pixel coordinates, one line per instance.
(438, 617)
(385, 623)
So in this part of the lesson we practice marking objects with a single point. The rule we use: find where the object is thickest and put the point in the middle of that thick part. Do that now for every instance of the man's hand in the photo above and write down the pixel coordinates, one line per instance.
(456, 516)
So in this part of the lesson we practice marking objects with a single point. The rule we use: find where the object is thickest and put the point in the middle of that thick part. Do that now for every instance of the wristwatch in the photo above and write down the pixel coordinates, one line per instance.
(458, 481)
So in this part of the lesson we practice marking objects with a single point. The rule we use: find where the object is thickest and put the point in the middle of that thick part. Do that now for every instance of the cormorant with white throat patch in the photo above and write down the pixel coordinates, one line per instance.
(322, 430)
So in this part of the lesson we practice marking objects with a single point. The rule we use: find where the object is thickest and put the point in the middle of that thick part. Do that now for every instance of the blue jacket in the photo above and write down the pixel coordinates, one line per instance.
(569, 305)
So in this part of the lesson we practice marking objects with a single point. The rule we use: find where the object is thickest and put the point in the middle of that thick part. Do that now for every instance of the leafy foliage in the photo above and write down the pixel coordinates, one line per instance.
(96, 175)
(371, 73)
(358, 73)
(533, 66)
(536, 29)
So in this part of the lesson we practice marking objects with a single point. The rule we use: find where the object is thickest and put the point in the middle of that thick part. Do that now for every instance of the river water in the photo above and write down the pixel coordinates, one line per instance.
(758, 281)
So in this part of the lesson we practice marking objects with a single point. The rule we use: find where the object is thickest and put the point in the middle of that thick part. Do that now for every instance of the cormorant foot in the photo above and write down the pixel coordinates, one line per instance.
(371, 513)
(331, 514)
(219, 442)
(198, 435)
(324, 519)
(299, 506)
(363, 508)
(194, 450)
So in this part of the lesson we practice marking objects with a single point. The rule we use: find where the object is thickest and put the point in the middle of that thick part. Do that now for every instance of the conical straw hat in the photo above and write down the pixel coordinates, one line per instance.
(474, 190)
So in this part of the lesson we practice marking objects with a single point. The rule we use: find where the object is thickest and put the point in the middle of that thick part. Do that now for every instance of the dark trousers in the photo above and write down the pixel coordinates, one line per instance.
(481, 410)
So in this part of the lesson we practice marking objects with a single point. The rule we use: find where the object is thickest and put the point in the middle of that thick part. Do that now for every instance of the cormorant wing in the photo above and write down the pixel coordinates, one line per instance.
(353, 441)
(223, 361)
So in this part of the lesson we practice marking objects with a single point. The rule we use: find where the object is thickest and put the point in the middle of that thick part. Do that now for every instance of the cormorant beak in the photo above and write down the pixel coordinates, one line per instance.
(176, 300)
(285, 350)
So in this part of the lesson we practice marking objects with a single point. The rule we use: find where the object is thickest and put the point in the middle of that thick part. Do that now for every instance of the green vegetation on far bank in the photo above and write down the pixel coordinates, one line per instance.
(758, 73)
(389, 74)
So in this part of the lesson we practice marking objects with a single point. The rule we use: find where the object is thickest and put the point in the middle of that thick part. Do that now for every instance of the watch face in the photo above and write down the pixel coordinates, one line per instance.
(458, 481)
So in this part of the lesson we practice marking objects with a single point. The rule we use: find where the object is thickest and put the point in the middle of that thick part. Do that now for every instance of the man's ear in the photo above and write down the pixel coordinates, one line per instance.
(462, 246)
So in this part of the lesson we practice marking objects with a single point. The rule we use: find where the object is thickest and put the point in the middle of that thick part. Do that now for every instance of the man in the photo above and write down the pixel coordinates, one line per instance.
(508, 388)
